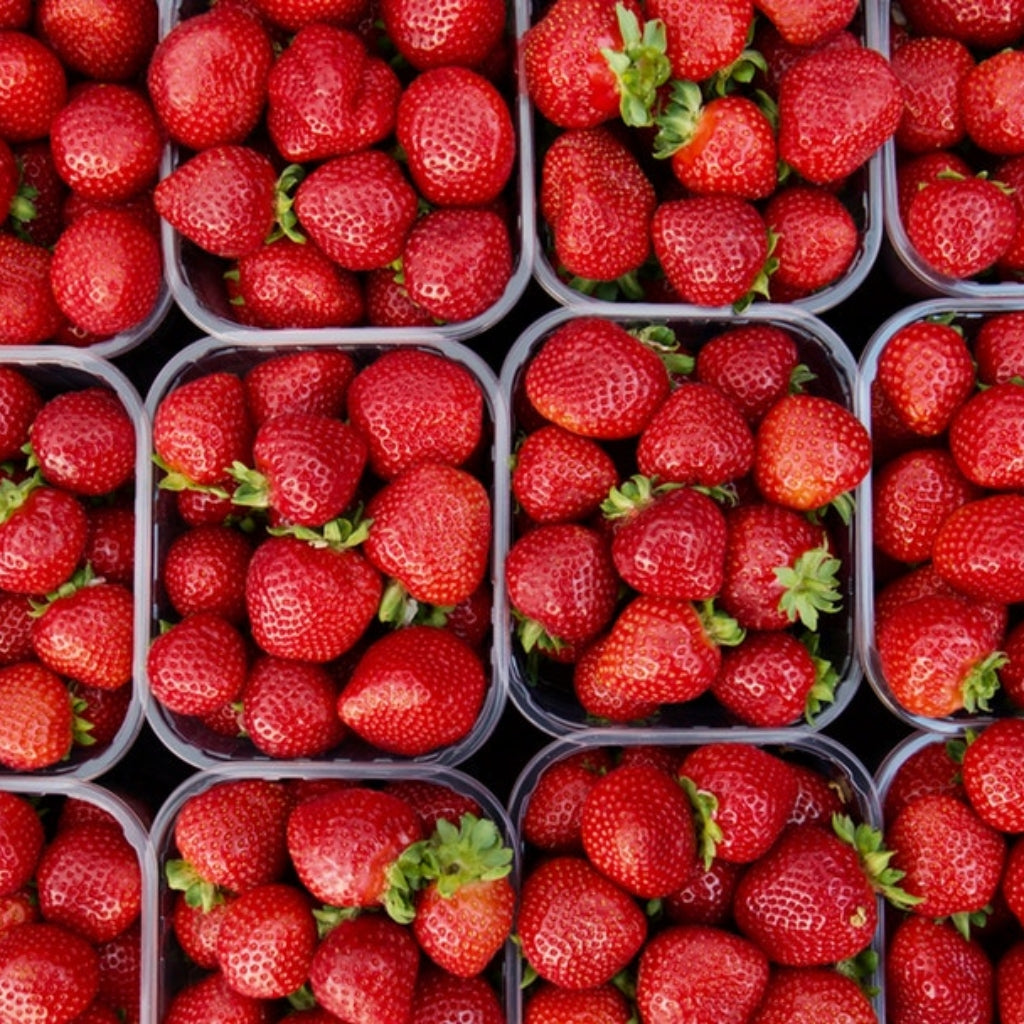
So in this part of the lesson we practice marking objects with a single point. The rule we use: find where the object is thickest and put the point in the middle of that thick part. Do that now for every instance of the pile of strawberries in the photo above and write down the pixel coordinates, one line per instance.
(67, 556)
(679, 542)
(335, 897)
(71, 909)
(709, 153)
(947, 410)
(321, 514)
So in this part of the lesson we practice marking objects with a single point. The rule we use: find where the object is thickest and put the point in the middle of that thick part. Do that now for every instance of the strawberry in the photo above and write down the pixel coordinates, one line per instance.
(551, 1004)
(365, 970)
(592, 188)
(195, 929)
(222, 199)
(84, 441)
(553, 814)
(976, 548)
(558, 476)
(825, 133)
(713, 249)
(637, 830)
(589, 61)
(703, 39)
(577, 929)
(266, 940)
(107, 142)
(600, 693)
(937, 656)
(667, 541)
(459, 32)
(198, 664)
(806, 995)
(444, 685)
(457, 261)
(18, 907)
(997, 347)
(717, 975)
(1010, 677)
(467, 163)
(989, 779)
(592, 377)
(107, 40)
(204, 570)
(107, 271)
(993, 419)
(207, 78)
(707, 897)
(20, 402)
(990, 25)
(414, 404)
(38, 721)
(990, 117)
(46, 971)
(210, 997)
(358, 208)
(918, 172)
(309, 381)
(29, 313)
(15, 628)
(931, 768)
(291, 15)
(388, 303)
(293, 589)
(669, 450)
(811, 451)
(24, 839)
(89, 879)
(343, 842)
(440, 996)
(39, 174)
(807, 22)
(288, 708)
(34, 88)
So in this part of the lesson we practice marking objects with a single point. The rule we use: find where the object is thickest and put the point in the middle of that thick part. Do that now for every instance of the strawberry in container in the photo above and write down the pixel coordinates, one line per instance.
(323, 524)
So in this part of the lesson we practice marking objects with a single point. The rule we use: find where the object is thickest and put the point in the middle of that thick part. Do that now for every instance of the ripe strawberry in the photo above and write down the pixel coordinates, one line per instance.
(19, 907)
(702, 39)
(457, 261)
(551, 1004)
(388, 303)
(988, 25)
(343, 842)
(713, 249)
(441, 996)
(38, 722)
(807, 22)
(293, 591)
(592, 377)
(434, 801)
(211, 998)
(806, 995)
(107, 271)
(204, 570)
(15, 628)
(551, 819)
(222, 199)
(107, 142)
(430, 530)
(29, 314)
(937, 656)
(207, 77)
(459, 32)
(34, 87)
(592, 189)
(932, 768)
(717, 975)
(195, 929)
(358, 208)
(577, 929)
(599, 693)
(811, 452)
(107, 40)
(918, 172)
(20, 402)
(977, 549)
(464, 163)
(990, 779)
(573, 79)
(824, 133)
(637, 829)
(986, 436)
(23, 841)
(310, 381)
(84, 441)
(443, 682)
(414, 404)
(990, 116)
(997, 347)
(1010, 676)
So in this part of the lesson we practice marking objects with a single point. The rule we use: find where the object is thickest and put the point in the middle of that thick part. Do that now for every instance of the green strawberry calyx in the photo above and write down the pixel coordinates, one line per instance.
(826, 679)
(810, 586)
(342, 532)
(13, 495)
(662, 340)
(199, 892)
(677, 123)
(173, 480)
(399, 608)
(534, 637)
(286, 223)
(868, 842)
(450, 858)
(84, 577)
(633, 495)
(982, 683)
(705, 807)
(722, 629)
(640, 68)
(253, 490)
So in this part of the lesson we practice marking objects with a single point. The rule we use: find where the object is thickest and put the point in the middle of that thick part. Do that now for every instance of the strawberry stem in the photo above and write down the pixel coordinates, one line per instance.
(640, 67)
(811, 586)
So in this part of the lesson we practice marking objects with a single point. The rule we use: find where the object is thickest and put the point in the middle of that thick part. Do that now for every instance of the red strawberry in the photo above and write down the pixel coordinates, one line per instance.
(414, 691)
(932, 768)
(577, 928)
(713, 249)
(593, 377)
(806, 995)
(440, 996)
(717, 975)
(291, 15)
(20, 403)
(551, 819)
(23, 830)
(310, 381)
(207, 77)
(358, 208)
(210, 997)
(986, 436)
(388, 303)
(38, 721)
(412, 405)
(15, 628)
(824, 132)
(811, 452)
(990, 778)
(552, 1004)
(997, 347)
(707, 897)
(222, 199)
(807, 22)
(463, 163)
(195, 929)
(703, 38)
(990, 115)
(29, 313)
(988, 25)
(293, 591)
(34, 87)
(1009, 998)
(600, 693)
(84, 441)
(572, 78)
(922, 171)
(430, 34)
(204, 570)
(637, 829)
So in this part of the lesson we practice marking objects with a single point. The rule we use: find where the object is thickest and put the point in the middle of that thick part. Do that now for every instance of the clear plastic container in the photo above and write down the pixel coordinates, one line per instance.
(813, 750)
(862, 195)
(53, 371)
(49, 794)
(968, 314)
(195, 277)
(548, 701)
(171, 968)
(187, 736)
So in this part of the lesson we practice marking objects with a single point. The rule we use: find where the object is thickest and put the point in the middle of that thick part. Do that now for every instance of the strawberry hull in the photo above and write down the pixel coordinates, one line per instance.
(186, 733)
(543, 688)
(65, 373)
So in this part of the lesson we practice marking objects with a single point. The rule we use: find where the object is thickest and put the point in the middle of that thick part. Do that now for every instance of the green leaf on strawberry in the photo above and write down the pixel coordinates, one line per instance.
(811, 586)
(641, 66)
